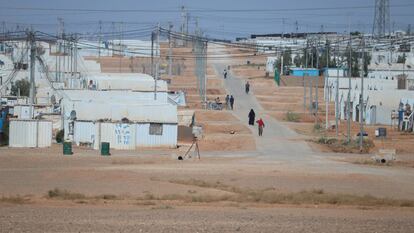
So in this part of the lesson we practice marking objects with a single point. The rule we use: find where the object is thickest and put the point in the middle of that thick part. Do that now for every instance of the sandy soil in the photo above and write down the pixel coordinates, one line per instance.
(200, 219)
(35, 171)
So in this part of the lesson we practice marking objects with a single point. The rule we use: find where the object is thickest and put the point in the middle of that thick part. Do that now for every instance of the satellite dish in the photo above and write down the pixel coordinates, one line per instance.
(73, 115)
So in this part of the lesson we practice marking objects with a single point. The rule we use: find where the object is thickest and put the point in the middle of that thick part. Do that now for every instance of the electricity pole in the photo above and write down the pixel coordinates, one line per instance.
(152, 53)
(326, 87)
(336, 54)
(304, 78)
(311, 85)
(317, 84)
(158, 62)
(349, 91)
(361, 98)
(170, 50)
(32, 70)
(100, 40)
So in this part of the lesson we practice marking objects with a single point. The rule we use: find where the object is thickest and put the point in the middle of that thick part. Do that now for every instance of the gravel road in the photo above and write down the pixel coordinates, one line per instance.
(201, 219)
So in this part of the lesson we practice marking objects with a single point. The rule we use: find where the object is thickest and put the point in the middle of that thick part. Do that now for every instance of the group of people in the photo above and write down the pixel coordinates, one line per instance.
(260, 122)
(252, 115)
(229, 102)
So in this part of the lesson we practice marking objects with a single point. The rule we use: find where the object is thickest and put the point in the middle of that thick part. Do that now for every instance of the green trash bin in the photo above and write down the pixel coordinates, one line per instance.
(67, 148)
(105, 149)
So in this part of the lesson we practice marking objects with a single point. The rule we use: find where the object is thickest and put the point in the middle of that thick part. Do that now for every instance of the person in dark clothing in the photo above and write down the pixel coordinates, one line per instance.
(227, 101)
(231, 102)
(225, 73)
(247, 86)
(260, 125)
(252, 115)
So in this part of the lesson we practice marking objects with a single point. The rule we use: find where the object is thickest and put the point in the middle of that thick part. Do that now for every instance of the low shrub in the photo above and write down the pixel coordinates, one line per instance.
(60, 136)
(292, 117)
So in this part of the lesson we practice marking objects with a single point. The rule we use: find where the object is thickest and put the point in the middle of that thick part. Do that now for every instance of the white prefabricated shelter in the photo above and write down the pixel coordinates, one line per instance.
(143, 120)
(30, 133)
(132, 82)
(381, 97)
(99, 117)
(125, 136)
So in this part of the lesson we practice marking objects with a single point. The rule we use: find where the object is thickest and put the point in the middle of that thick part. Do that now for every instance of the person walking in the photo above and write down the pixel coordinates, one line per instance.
(260, 125)
(227, 102)
(231, 102)
(225, 73)
(247, 87)
(252, 115)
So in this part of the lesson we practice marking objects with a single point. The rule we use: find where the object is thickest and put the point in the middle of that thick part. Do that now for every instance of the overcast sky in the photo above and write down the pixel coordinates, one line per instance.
(266, 16)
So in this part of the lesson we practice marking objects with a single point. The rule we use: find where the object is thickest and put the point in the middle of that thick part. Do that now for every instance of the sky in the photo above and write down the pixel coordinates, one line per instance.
(221, 19)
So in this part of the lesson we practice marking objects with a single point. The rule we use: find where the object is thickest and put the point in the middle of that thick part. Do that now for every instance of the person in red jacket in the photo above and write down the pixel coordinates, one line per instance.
(261, 125)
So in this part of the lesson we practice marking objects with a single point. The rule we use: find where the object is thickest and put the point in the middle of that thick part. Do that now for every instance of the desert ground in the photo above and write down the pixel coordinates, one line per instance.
(280, 182)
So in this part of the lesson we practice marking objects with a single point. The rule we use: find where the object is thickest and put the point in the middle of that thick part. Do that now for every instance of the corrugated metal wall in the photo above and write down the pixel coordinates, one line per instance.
(30, 133)
(44, 134)
(167, 139)
(84, 132)
(124, 136)
(121, 136)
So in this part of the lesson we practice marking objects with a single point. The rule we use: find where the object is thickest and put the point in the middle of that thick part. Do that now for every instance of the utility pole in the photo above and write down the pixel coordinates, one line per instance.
(336, 54)
(61, 34)
(100, 40)
(71, 54)
(297, 28)
(311, 84)
(281, 62)
(170, 50)
(158, 62)
(304, 78)
(76, 55)
(31, 37)
(349, 91)
(187, 20)
(152, 53)
(317, 84)
(361, 98)
(327, 88)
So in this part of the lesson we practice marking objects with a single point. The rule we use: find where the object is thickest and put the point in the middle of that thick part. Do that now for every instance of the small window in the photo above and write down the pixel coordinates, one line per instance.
(155, 129)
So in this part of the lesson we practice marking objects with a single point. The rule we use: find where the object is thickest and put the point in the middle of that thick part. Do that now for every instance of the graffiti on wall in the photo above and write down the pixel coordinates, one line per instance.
(123, 134)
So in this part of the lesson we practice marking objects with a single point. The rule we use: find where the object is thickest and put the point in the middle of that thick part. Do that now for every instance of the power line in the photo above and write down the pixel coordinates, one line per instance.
(198, 9)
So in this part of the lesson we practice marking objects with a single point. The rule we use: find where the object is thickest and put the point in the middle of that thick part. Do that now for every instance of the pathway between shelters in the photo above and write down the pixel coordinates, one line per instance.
(278, 141)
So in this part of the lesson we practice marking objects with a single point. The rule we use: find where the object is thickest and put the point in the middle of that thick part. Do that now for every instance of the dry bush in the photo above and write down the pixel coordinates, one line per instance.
(292, 117)
(271, 196)
(342, 146)
(204, 184)
(14, 200)
(64, 194)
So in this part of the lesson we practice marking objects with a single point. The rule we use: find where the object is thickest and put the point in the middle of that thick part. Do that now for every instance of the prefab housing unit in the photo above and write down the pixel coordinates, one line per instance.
(30, 133)
(125, 136)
